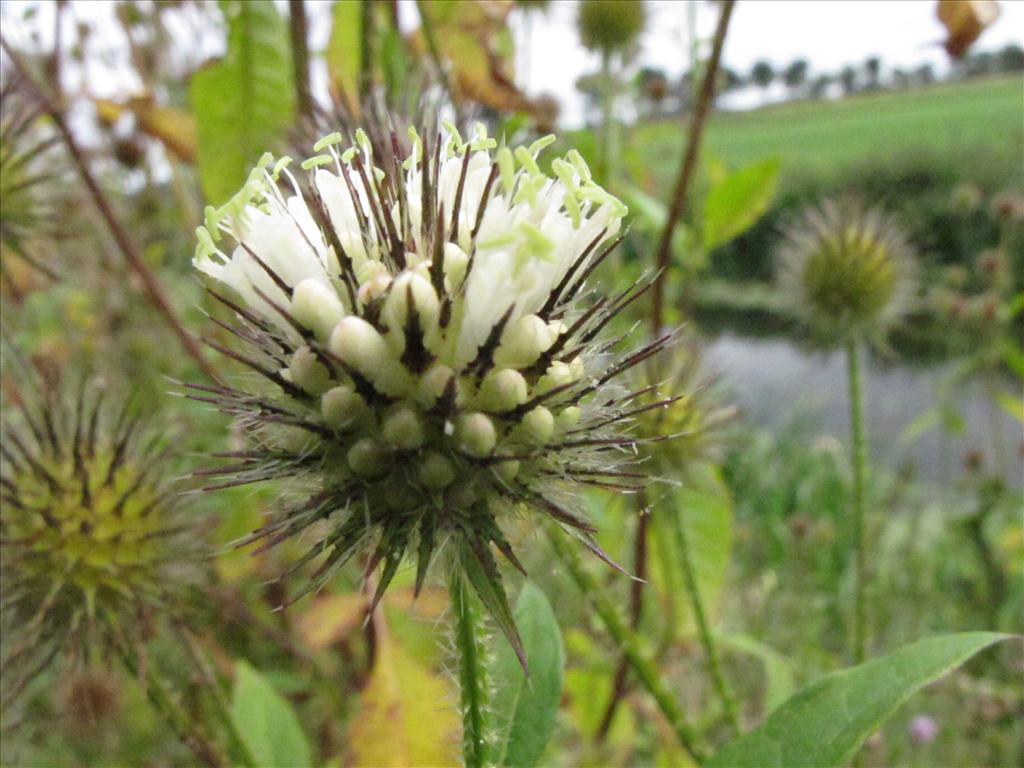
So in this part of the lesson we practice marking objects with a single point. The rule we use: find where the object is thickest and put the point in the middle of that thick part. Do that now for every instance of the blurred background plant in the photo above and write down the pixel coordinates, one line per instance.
(744, 540)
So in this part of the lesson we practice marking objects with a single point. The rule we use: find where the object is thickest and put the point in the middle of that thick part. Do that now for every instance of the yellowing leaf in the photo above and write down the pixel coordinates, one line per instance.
(407, 715)
(344, 49)
(330, 619)
(174, 128)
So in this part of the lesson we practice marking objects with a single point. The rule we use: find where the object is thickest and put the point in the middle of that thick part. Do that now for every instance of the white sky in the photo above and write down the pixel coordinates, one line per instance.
(828, 33)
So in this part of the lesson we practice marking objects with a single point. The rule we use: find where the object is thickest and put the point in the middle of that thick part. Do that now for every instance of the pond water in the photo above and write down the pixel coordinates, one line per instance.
(775, 381)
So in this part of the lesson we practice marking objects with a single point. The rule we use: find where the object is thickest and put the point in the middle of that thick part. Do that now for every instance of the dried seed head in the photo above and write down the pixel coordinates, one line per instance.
(422, 322)
(846, 270)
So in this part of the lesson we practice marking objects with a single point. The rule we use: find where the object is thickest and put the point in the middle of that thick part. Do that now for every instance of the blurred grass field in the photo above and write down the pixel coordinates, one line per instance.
(975, 123)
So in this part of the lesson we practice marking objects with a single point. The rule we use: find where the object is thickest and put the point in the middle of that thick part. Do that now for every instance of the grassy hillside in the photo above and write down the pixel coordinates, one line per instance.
(977, 124)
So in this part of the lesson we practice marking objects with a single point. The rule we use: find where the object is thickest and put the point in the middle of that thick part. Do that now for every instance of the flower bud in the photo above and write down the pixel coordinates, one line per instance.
(341, 406)
(411, 286)
(436, 471)
(455, 261)
(359, 344)
(568, 418)
(475, 434)
(523, 342)
(503, 389)
(403, 429)
(507, 470)
(308, 372)
(317, 307)
(537, 425)
(432, 384)
(368, 458)
(557, 375)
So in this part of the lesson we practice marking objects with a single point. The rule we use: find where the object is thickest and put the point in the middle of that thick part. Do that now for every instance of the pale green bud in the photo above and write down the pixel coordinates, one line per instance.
(507, 470)
(475, 433)
(308, 372)
(455, 261)
(568, 418)
(537, 425)
(396, 308)
(576, 368)
(368, 458)
(436, 471)
(341, 406)
(317, 307)
(503, 389)
(523, 342)
(403, 429)
(359, 344)
(557, 374)
(432, 384)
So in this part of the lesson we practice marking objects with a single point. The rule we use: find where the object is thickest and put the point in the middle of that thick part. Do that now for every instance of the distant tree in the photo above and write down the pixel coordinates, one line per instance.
(924, 75)
(1010, 59)
(762, 74)
(728, 79)
(848, 80)
(653, 85)
(977, 64)
(795, 74)
(900, 79)
(819, 86)
(872, 73)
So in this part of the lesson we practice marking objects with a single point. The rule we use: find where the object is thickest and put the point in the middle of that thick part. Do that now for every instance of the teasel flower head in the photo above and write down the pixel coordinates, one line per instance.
(847, 271)
(434, 364)
(29, 180)
(609, 26)
(93, 545)
(680, 400)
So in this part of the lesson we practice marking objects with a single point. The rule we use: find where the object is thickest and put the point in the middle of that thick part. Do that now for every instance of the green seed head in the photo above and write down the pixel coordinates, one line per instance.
(609, 26)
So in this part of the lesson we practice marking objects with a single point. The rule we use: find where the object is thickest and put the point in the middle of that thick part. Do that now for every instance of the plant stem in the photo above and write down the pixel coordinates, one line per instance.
(184, 727)
(632, 647)
(607, 120)
(221, 706)
(127, 246)
(859, 464)
(472, 673)
(689, 165)
(300, 57)
(707, 641)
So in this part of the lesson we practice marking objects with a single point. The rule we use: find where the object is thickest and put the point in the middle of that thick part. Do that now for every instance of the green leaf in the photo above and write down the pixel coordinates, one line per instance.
(267, 722)
(526, 707)
(825, 723)
(734, 204)
(344, 49)
(1011, 404)
(778, 669)
(245, 102)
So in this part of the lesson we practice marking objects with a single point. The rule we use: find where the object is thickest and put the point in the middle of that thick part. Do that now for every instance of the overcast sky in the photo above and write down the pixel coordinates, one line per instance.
(828, 33)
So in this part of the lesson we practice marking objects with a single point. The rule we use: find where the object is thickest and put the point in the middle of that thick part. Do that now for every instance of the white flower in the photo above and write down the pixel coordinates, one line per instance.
(437, 362)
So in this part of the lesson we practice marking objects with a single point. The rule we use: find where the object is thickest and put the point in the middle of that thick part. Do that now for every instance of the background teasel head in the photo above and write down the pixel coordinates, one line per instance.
(93, 546)
(682, 404)
(434, 361)
(28, 171)
(847, 270)
(609, 26)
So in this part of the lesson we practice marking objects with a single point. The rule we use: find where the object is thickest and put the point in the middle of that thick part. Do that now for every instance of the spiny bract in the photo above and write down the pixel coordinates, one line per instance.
(91, 538)
(436, 362)
(847, 270)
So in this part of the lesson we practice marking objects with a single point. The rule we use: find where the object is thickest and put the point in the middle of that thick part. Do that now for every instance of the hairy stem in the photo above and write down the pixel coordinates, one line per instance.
(707, 640)
(472, 672)
(859, 465)
(689, 165)
(606, 169)
(183, 726)
(631, 645)
(221, 706)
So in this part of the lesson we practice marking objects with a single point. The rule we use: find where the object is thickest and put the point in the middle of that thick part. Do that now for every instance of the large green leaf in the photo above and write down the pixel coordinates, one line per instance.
(266, 722)
(525, 707)
(825, 723)
(736, 202)
(245, 102)
(344, 49)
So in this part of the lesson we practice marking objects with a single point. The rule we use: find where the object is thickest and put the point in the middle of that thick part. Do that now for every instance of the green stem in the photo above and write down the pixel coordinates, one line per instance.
(607, 119)
(859, 466)
(472, 673)
(631, 646)
(221, 706)
(707, 640)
